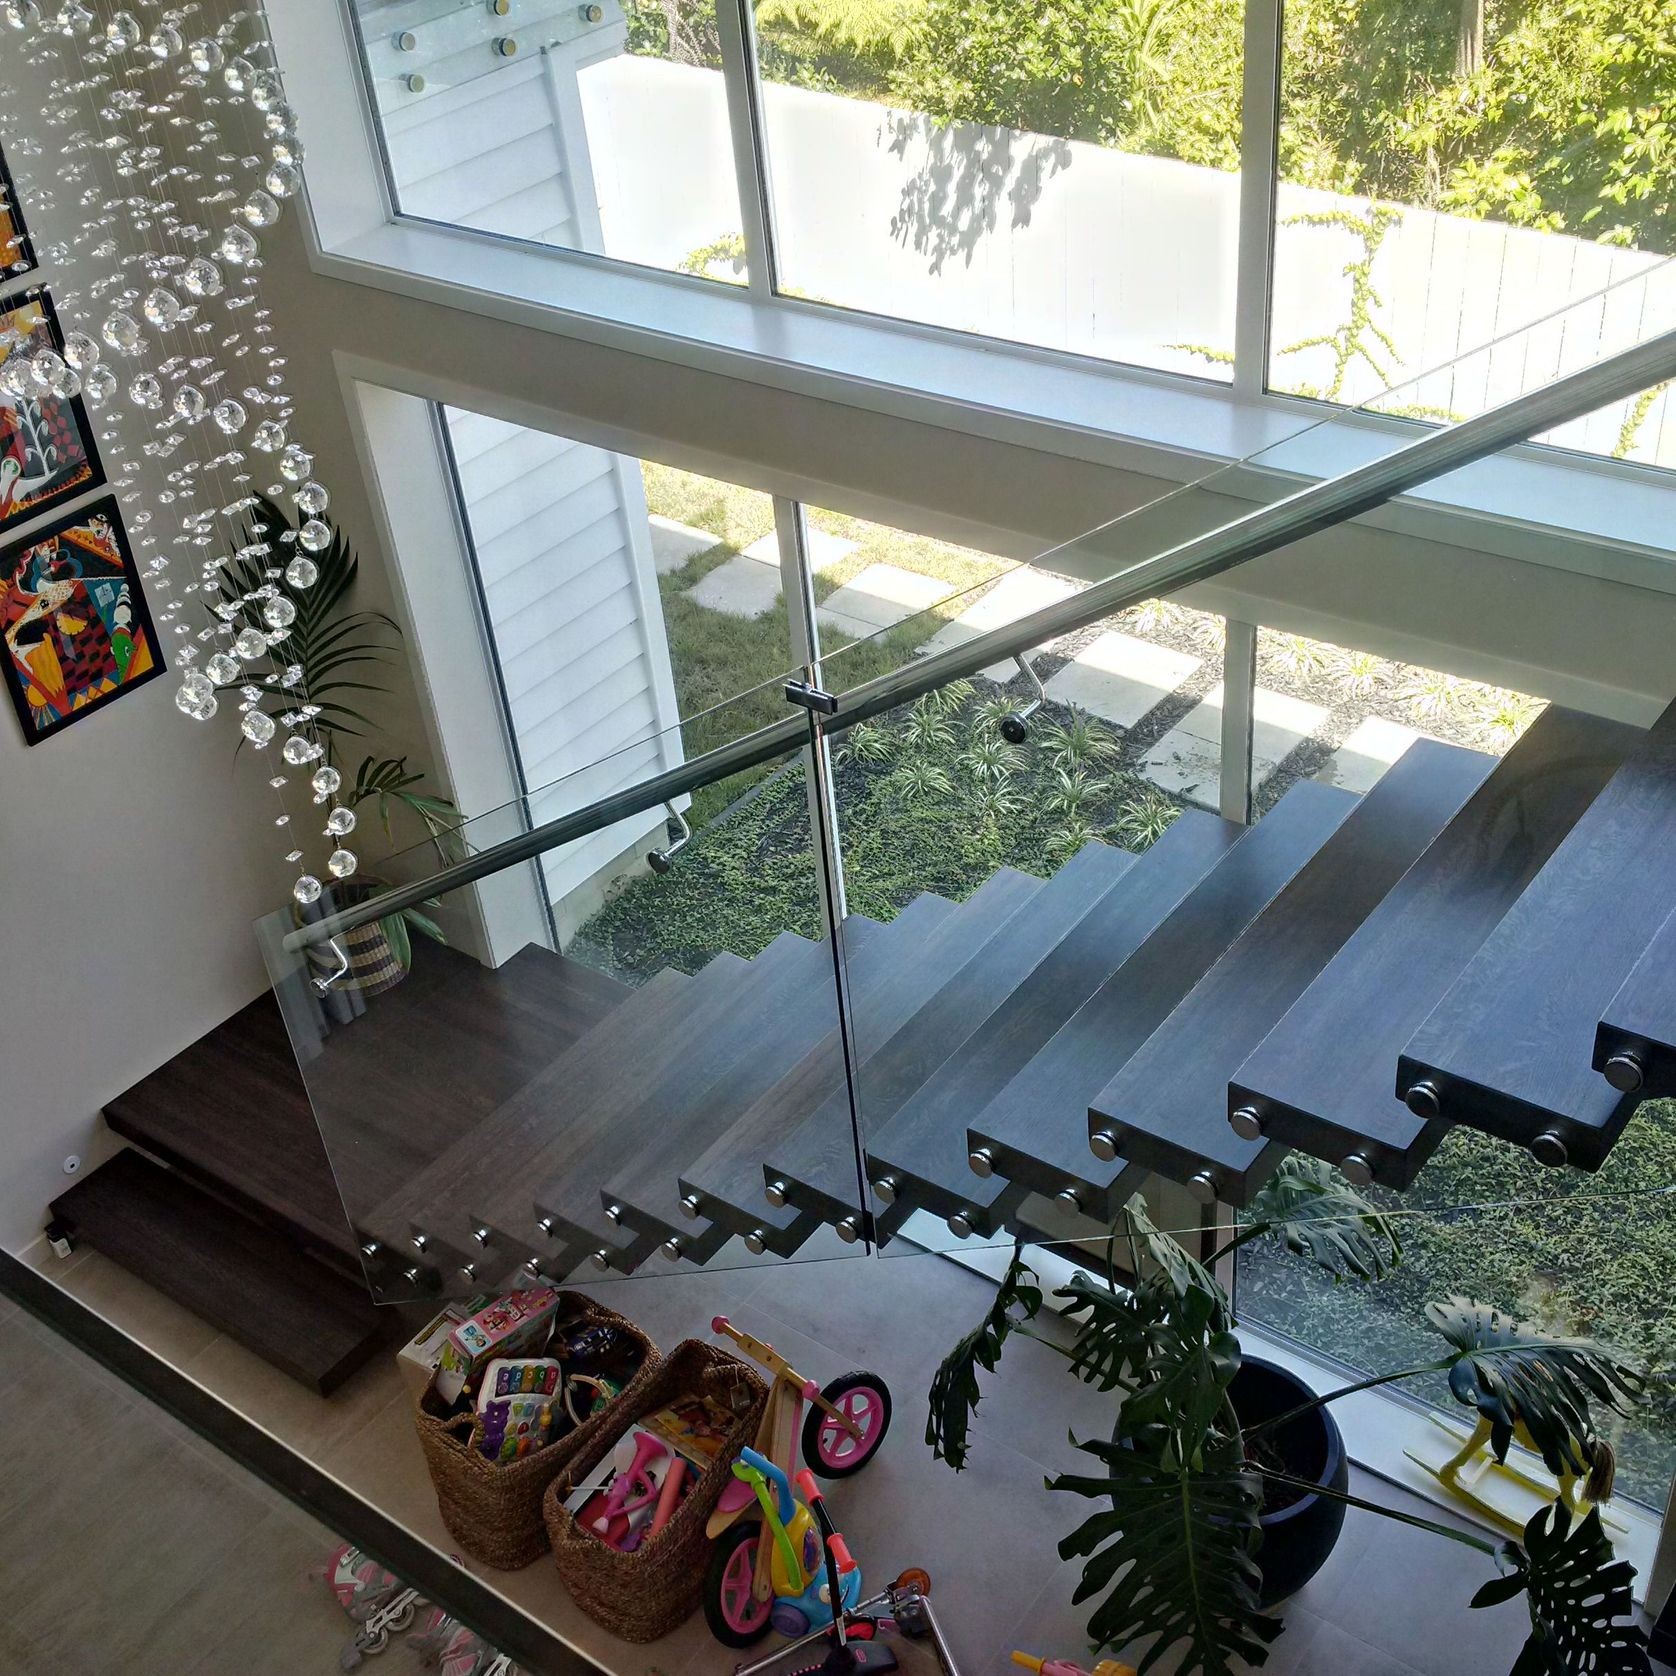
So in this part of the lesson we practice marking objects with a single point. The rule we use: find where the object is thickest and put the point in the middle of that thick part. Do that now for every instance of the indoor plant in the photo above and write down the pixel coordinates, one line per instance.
(332, 648)
(1177, 1553)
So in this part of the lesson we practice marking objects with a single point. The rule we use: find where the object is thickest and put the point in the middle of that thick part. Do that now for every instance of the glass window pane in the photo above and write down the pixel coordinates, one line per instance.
(1453, 172)
(598, 128)
(1064, 176)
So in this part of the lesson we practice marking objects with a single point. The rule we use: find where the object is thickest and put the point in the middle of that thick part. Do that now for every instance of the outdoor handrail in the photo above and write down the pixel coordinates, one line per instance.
(1317, 507)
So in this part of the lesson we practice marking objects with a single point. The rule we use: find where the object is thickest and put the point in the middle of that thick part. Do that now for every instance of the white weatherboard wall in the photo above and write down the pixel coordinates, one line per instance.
(571, 602)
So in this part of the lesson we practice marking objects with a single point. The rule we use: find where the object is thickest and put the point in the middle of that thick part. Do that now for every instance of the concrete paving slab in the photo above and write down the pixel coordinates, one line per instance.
(825, 550)
(1016, 595)
(739, 588)
(1362, 759)
(1188, 759)
(882, 596)
(675, 544)
(1121, 678)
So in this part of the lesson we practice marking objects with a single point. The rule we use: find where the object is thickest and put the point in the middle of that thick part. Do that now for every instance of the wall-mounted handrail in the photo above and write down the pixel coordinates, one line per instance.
(1305, 512)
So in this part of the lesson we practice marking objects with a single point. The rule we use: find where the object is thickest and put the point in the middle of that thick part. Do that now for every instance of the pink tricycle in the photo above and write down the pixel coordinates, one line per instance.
(846, 1423)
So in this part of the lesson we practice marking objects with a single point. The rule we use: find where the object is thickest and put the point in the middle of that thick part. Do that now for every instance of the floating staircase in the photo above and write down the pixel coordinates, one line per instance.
(1472, 941)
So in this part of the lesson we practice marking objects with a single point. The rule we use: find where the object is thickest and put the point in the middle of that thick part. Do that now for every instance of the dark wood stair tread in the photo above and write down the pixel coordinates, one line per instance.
(926, 1143)
(232, 1109)
(1640, 1020)
(1038, 1124)
(1168, 1106)
(246, 1279)
(1510, 1047)
(1324, 1079)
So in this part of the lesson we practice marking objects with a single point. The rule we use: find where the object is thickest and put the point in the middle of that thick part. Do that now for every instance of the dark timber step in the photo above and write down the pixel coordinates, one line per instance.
(1167, 1109)
(729, 1178)
(444, 1047)
(946, 1024)
(517, 1128)
(804, 1012)
(807, 1162)
(249, 1280)
(1037, 1125)
(1324, 1079)
(925, 1141)
(1510, 1047)
(1635, 1043)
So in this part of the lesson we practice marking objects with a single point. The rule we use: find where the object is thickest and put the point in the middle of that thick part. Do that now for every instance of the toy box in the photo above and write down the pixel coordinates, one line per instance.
(516, 1322)
(418, 1358)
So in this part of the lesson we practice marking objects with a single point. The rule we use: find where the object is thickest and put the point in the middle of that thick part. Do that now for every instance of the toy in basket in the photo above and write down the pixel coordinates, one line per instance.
(842, 1431)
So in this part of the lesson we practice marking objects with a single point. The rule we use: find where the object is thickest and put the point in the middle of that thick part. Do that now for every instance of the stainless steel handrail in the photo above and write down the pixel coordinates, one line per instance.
(1308, 510)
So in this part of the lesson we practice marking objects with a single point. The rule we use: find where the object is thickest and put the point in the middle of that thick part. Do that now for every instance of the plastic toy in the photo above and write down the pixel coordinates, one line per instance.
(374, 1598)
(851, 1642)
(648, 1480)
(1064, 1667)
(841, 1433)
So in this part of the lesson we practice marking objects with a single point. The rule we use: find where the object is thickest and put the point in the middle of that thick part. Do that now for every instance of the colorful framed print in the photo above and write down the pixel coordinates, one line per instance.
(47, 452)
(75, 625)
(17, 255)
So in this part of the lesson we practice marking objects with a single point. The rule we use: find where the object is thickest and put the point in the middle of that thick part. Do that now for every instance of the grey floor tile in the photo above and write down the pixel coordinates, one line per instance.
(1314, 1647)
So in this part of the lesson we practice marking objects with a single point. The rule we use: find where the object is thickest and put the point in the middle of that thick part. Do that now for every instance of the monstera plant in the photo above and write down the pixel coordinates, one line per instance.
(1173, 1555)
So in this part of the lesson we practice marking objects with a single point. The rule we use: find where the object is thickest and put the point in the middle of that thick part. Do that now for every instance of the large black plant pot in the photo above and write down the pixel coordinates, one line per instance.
(1298, 1538)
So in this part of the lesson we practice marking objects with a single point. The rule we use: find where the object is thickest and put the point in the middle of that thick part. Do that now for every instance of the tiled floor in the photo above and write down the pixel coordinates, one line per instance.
(201, 1571)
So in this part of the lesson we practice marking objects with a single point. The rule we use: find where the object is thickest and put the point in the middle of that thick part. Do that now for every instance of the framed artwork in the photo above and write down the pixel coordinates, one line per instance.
(17, 255)
(47, 452)
(76, 629)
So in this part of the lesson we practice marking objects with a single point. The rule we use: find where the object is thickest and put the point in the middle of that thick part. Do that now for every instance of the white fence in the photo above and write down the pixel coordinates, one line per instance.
(1076, 247)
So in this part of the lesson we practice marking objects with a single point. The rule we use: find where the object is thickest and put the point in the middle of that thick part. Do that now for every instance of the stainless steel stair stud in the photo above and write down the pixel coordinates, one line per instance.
(1425, 1100)
(600, 1259)
(1069, 1198)
(482, 1236)
(1203, 1187)
(884, 1190)
(1625, 1072)
(960, 1225)
(545, 1224)
(1357, 1169)
(1549, 1148)
(775, 1193)
(756, 1242)
(613, 1213)
(690, 1206)
(371, 1249)
(671, 1249)
(1103, 1144)
(411, 1276)
(1247, 1123)
(468, 1271)
(848, 1229)
(419, 1242)
(982, 1161)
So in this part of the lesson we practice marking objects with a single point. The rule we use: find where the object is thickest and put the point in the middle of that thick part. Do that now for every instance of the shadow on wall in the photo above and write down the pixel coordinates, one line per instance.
(954, 197)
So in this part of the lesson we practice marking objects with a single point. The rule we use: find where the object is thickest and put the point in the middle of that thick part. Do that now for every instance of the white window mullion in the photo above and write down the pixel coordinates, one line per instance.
(736, 27)
(1259, 155)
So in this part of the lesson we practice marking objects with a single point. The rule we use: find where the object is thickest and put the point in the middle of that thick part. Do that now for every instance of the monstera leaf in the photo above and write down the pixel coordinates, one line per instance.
(1582, 1617)
(1173, 1555)
(955, 1392)
(1117, 1330)
(1309, 1206)
(1515, 1374)
(1182, 1272)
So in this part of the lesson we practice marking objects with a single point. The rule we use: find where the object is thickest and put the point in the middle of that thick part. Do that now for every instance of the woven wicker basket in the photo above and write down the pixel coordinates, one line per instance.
(493, 1508)
(647, 1593)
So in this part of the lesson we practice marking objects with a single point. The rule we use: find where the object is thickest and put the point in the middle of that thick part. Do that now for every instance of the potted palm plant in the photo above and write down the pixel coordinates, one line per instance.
(1217, 1478)
(337, 651)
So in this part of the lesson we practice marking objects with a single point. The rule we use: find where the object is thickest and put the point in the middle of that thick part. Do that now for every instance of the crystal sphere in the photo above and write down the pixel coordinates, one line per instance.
(341, 863)
(315, 536)
(260, 209)
(146, 392)
(65, 381)
(189, 403)
(16, 377)
(288, 149)
(123, 31)
(326, 781)
(45, 367)
(237, 74)
(250, 644)
(283, 180)
(306, 889)
(302, 573)
(340, 823)
(161, 306)
(297, 750)
(222, 669)
(165, 42)
(280, 612)
(295, 463)
(239, 246)
(256, 727)
(99, 385)
(73, 18)
(269, 436)
(122, 331)
(311, 498)
(265, 90)
(199, 706)
(81, 351)
(229, 415)
(206, 55)
(202, 277)
(20, 14)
